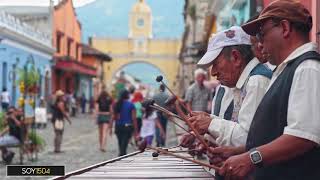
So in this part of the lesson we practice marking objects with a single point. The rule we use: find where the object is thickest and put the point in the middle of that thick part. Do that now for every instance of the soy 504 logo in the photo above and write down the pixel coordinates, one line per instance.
(35, 170)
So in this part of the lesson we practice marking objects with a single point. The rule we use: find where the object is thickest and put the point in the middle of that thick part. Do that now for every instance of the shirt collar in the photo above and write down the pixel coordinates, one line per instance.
(246, 72)
(296, 53)
(300, 50)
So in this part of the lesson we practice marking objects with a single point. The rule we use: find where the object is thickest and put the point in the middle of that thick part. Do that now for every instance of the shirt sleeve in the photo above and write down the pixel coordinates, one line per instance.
(304, 102)
(230, 133)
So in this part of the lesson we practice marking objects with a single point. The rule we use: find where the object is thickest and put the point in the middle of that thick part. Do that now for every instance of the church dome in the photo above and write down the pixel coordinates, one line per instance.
(141, 7)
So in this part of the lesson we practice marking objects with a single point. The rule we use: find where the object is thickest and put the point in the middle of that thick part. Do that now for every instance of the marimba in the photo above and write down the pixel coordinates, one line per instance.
(141, 165)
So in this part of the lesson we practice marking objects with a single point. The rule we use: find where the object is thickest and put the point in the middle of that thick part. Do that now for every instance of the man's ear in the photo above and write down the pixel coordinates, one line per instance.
(286, 28)
(236, 58)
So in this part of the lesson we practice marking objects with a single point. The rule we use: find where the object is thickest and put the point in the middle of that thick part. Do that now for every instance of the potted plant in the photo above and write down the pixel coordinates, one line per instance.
(37, 142)
(28, 80)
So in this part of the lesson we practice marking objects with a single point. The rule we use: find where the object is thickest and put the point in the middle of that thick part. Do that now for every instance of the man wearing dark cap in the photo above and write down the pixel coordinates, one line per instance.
(284, 137)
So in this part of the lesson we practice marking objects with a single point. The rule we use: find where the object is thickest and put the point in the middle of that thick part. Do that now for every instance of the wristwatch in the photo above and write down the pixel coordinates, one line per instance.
(256, 157)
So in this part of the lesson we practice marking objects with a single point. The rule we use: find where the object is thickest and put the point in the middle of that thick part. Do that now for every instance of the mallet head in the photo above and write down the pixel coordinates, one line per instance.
(159, 78)
(148, 102)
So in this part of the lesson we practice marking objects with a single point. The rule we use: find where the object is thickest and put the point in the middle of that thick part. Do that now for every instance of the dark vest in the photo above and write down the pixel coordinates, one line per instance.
(217, 105)
(269, 122)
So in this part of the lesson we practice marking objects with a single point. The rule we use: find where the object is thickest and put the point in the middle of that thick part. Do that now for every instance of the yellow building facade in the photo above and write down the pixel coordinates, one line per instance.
(140, 46)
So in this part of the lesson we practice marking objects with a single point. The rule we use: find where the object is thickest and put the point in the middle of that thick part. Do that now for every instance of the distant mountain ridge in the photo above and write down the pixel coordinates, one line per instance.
(109, 18)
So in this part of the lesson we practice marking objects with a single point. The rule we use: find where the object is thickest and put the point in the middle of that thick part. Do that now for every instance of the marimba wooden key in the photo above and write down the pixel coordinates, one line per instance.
(142, 166)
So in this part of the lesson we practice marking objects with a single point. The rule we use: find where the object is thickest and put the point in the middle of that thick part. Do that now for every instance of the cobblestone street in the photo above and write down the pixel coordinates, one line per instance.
(80, 147)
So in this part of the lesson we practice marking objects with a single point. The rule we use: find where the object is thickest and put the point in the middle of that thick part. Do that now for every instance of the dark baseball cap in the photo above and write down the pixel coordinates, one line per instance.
(281, 9)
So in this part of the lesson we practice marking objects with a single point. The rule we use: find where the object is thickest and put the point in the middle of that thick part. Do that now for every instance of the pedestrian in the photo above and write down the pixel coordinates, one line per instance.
(150, 121)
(136, 100)
(14, 137)
(198, 97)
(160, 99)
(284, 137)
(103, 115)
(74, 105)
(41, 114)
(5, 99)
(58, 117)
(126, 122)
(83, 103)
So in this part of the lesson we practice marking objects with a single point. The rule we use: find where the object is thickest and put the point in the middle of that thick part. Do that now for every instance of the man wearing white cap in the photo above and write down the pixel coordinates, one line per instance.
(232, 60)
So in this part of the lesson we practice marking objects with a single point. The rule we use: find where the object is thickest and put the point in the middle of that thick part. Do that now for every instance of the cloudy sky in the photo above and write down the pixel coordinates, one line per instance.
(76, 3)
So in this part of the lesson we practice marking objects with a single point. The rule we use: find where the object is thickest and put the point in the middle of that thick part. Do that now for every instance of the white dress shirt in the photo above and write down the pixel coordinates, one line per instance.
(248, 93)
(304, 98)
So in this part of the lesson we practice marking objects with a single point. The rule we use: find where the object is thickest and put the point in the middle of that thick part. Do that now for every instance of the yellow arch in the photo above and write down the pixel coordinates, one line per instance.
(169, 68)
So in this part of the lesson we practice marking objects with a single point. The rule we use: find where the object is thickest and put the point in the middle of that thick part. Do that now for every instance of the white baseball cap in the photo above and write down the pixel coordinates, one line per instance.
(230, 37)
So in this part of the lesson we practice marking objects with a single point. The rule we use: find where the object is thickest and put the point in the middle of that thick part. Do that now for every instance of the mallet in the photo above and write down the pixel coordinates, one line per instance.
(143, 146)
(151, 103)
(160, 79)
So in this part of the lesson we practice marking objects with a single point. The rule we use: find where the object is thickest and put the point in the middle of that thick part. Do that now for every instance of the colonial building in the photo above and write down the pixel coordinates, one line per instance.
(95, 58)
(70, 74)
(140, 46)
(22, 45)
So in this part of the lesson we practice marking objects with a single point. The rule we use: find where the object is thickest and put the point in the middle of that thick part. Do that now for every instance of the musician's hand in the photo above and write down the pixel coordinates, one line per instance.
(187, 140)
(201, 123)
(201, 148)
(237, 167)
(197, 113)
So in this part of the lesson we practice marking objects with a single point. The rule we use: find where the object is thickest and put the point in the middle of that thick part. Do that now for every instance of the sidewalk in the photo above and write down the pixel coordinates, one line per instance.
(80, 147)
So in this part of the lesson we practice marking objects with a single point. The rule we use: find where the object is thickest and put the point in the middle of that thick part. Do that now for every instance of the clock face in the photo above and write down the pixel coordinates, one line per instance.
(140, 22)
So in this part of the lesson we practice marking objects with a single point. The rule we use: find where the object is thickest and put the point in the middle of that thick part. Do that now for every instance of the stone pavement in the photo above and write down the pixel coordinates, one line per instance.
(80, 147)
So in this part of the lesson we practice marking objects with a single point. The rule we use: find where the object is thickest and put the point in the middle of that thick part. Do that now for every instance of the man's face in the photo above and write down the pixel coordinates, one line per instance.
(227, 70)
(200, 78)
(257, 50)
(270, 40)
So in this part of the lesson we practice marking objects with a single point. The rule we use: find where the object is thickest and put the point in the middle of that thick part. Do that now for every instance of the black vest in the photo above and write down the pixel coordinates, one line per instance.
(269, 122)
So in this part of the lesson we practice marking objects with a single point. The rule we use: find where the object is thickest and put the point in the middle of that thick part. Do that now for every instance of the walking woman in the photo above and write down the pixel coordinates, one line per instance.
(59, 114)
(103, 113)
(126, 122)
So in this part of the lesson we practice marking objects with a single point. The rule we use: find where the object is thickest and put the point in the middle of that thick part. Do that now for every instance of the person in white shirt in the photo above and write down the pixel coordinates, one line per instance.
(232, 60)
(150, 121)
(5, 99)
(284, 137)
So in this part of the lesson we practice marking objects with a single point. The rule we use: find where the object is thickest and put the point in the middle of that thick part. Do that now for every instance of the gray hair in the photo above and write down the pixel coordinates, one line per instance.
(199, 71)
(244, 49)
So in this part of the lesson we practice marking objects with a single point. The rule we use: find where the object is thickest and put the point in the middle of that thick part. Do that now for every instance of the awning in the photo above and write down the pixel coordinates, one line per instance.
(75, 66)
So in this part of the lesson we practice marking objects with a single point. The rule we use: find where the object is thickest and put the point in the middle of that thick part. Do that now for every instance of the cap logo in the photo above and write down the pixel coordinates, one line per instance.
(230, 34)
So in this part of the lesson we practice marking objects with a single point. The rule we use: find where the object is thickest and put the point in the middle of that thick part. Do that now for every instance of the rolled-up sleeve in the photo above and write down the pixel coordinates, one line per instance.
(231, 133)
(304, 103)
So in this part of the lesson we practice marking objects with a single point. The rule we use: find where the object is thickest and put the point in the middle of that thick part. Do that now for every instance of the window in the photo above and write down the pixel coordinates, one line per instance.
(77, 52)
(58, 45)
(69, 46)
(4, 74)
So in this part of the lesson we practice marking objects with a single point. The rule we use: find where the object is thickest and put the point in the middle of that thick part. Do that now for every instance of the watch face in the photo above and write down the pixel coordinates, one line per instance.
(256, 158)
